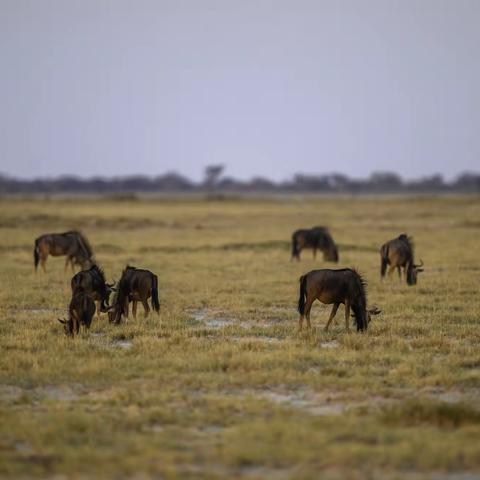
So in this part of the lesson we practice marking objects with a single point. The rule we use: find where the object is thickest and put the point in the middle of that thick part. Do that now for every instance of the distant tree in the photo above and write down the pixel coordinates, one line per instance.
(212, 176)
(468, 181)
(385, 181)
(433, 183)
(172, 182)
(338, 182)
(310, 183)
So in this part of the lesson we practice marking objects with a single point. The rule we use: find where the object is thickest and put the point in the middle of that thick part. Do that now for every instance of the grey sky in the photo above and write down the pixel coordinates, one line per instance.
(115, 87)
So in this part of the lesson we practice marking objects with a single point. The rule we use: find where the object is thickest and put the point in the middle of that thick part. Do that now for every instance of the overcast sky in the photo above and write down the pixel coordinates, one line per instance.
(115, 87)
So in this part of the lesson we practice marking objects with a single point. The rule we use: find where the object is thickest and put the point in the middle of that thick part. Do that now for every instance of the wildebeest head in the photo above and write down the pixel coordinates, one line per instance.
(331, 255)
(109, 288)
(369, 312)
(67, 326)
(412, 272)
(115, 313)
(114, 309)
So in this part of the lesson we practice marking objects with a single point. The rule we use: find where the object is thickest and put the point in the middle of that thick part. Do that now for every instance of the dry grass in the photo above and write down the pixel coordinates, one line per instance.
(221, 384)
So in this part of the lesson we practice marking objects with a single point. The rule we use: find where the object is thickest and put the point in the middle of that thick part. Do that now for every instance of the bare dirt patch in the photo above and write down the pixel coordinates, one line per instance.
(40, 311)
(102, 340)
(329, 345)
(58, 393)
(217, 320)
(321, 403)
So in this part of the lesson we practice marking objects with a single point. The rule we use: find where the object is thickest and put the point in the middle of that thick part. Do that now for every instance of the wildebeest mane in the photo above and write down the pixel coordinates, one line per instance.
(99, 271)
(409, 241)
(359, 297)
(123, 289)
(84, 243)
(360, 286)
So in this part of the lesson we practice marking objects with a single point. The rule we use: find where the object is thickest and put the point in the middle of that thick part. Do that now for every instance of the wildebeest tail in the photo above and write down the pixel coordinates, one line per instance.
(36, 255)
(155, 301)
(301, 297)
(384, 257)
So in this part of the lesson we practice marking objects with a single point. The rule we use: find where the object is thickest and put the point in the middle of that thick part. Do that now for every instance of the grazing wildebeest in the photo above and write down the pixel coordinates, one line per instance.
(399, 253)
(134, 285)
(92, 281)
(80, 313)
(335, 286)
(314, 238)
(72, 244)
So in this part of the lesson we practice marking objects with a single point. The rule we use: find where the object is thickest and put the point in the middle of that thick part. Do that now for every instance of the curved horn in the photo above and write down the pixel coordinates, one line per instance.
(62, 321)
(421, 263)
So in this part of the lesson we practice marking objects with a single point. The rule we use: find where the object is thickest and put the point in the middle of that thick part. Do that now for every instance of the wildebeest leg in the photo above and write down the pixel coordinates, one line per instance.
(390, 270)
(399, 273)
(98, 304)
(314, 253)
(76, 324)
(43, 260)
(332, 315)
(146, 307)
(66, 263)
(347, 315)
(134, 309)
(126, 309)
(308, 307)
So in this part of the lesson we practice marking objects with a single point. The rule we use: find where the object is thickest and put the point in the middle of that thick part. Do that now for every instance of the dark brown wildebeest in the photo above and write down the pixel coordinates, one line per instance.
(316, 238)
(92, 281)
(72, 244)
(135, 285)
(80, 313)
(335, 286)
(399, 253)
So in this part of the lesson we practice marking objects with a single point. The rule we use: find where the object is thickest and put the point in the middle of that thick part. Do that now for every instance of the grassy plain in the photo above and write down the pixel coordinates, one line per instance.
(221, 384)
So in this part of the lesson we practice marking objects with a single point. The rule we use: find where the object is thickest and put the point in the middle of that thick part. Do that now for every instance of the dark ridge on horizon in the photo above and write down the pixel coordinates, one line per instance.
(214, 182)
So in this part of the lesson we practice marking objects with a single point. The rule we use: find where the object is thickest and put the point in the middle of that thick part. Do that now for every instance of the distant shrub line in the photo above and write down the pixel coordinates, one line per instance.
(380, 182)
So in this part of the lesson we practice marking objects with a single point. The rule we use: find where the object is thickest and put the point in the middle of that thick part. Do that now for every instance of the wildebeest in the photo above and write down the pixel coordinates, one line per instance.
(316, 238)
(335, 286)
(92, 281)
(80, 313)
(135, 285)
(399, 253)
(72, 244)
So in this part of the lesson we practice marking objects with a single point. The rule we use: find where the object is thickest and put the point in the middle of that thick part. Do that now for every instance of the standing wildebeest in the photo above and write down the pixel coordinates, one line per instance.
(134, 285)
(72, 244)
(92, 281)
(314, 238)
(80, 312)
(335, 286)
(398, 253)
